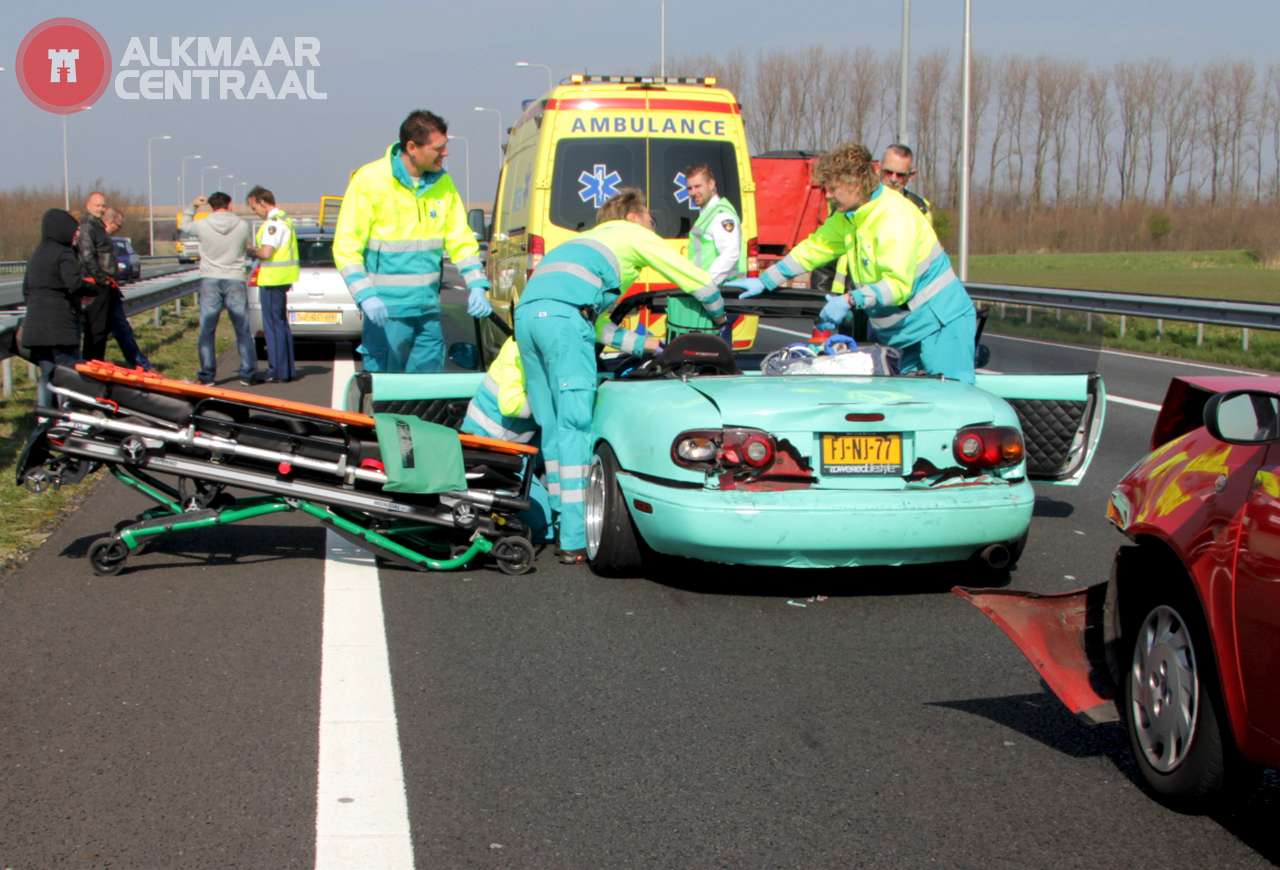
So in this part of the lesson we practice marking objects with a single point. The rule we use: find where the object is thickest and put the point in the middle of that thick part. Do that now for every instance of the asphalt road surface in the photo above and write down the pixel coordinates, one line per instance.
(187, 713)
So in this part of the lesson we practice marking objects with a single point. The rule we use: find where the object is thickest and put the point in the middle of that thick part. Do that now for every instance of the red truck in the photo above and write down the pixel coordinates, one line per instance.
(789, 206)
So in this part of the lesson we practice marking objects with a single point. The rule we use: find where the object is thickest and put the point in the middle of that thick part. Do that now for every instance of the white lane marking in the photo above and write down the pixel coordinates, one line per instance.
(1136, 403)
(1119, 400)
(362, 814)
(1142, 356)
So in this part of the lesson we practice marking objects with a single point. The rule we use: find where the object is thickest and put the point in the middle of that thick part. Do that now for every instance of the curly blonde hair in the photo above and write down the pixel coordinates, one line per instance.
(628, 200)
(850, 162)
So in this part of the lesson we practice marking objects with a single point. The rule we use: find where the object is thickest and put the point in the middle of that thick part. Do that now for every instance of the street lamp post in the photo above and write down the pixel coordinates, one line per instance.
(662, 37)
(183, 195)
(240, 184)
(550, 77)
(220, 177)
(905, 61)
(203, 170)
(151, 204)
(466, 153)
(499, 114)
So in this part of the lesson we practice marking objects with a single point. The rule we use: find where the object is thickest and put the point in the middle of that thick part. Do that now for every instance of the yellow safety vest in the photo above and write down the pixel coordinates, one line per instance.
(282, 268)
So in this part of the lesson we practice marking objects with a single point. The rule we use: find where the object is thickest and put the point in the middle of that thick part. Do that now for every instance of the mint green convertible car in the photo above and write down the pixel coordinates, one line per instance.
(699, 454)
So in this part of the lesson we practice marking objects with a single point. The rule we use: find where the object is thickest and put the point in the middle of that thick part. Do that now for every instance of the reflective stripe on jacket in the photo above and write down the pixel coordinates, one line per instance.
(393, 232)
(283, 267)
(592, 270)
(904, 278)
(500, 408)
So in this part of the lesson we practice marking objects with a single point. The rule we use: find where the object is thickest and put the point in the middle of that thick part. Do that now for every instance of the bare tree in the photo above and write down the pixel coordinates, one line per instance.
(1177, 100)
(1098, 106)
(1016, 91)
(1135, 98)
(926, 99)
(1215, 119)
(1071, 75)
(1242, 81)
(1273, 90)
(866, 76)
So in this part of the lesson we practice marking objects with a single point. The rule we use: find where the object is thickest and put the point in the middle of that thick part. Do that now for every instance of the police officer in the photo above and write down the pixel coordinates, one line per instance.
(278, 270)
(399, 216)
(500, 409)
(562, 315)
(903, 278)
(715, 245)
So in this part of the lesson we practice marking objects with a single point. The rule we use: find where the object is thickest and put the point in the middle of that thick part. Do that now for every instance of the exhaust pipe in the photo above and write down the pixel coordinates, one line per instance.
(996, 556)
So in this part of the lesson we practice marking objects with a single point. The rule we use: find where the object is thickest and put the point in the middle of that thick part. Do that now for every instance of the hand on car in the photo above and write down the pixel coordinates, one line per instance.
(478, 304)
(374, 309)
(834, 312)
(750, 287)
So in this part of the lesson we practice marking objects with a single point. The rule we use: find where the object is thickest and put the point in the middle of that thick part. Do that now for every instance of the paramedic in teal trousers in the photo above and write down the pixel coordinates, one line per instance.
(563, 314)
(903, 279)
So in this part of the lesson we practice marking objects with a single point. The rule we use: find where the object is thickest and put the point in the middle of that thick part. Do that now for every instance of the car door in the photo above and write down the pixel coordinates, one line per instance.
(1061, 417)
(1258, 596)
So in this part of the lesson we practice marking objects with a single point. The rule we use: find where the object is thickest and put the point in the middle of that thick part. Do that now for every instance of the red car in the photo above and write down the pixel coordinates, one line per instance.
(1183, 642)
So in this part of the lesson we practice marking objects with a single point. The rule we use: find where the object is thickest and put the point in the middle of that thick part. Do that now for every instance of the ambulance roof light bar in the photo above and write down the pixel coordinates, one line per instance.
(581, 78)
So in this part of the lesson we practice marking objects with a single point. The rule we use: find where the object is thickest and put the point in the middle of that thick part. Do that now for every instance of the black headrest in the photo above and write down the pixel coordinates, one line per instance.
(702, 352)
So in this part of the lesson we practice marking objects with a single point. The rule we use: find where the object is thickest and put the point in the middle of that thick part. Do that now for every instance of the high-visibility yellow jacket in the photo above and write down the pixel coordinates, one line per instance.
(393, 231)
(592, 270)
(500, 408)
(904, 279)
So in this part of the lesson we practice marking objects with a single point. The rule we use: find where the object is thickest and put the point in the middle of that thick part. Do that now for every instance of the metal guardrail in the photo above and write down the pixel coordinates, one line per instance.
(138, 297)
(17, 267)
(1217, 312)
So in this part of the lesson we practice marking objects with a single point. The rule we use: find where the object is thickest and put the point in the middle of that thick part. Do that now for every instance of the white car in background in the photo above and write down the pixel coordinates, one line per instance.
(320, 306)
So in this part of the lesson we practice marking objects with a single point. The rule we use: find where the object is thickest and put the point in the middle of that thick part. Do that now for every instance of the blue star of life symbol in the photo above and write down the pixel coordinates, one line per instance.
(598, 187)
(682, 191)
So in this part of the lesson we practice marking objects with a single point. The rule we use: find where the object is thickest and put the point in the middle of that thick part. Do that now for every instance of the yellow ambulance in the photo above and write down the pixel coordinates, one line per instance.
(574, 147)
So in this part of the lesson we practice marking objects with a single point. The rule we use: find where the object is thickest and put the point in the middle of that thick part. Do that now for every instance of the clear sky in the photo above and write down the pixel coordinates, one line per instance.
(377, 60)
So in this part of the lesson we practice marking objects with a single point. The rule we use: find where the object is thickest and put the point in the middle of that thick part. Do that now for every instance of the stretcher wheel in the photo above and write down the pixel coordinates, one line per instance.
(514, 555)
(38, 480)
(107, 556)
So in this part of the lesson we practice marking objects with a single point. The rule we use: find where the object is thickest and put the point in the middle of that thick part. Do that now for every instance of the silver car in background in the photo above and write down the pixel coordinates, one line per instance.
(320, 306)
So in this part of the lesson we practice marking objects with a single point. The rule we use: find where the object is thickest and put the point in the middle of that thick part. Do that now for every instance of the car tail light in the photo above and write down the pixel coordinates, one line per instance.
(726, 448)
(986, 447)
(753, 258)
(537, 248)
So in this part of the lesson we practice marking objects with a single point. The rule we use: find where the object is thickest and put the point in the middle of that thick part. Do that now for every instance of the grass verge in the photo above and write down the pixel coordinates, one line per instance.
(29, 518)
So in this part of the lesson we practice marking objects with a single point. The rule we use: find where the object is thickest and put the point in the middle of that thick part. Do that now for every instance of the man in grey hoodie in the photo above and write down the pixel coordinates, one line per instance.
(223, 236)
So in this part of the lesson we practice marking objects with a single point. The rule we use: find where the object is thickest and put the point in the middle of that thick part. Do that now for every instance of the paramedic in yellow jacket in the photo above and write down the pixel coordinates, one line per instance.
(400, 215)
(903, 278)
(500, 409)
(563, 314)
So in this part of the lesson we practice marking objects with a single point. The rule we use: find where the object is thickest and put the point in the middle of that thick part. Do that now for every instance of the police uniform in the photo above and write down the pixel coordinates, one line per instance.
(393, 232)
(560, 318)
(904, 281)
(276, 276)
(715, 245)
(500, 409)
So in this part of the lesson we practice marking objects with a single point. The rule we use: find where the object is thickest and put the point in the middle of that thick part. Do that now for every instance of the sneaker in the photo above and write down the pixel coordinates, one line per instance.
(202, 382)
(246, 382)
(572, 557)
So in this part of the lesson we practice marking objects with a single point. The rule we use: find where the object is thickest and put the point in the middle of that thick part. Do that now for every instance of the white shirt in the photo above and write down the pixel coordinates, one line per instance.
(728, 244)
(276, 231)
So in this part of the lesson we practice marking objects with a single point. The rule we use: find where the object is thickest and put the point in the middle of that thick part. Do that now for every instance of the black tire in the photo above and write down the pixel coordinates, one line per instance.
(1167, 636)
(618, 549)
(514, 555)
(107, 556)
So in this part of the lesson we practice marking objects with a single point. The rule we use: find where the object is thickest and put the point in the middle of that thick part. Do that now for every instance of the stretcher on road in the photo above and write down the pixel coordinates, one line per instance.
(411, 491)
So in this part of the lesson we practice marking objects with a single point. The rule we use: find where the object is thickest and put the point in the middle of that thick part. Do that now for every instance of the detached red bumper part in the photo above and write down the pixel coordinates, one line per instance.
(1064, 637)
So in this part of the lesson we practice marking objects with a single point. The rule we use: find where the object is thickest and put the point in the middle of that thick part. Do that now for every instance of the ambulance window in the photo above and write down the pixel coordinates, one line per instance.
(587, 172)
(668, 198)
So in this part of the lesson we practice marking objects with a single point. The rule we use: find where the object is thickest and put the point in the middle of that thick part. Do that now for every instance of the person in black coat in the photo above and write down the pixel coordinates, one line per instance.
(54, 287)
(98, 259)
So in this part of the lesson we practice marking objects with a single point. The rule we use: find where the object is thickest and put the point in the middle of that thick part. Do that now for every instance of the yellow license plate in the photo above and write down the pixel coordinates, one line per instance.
(315, 316)
(880, 453)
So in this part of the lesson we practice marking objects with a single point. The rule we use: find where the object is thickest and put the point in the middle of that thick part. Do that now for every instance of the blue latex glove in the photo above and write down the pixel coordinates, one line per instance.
(835, 311)
(374, 309)
(477, 305)
(750, 287)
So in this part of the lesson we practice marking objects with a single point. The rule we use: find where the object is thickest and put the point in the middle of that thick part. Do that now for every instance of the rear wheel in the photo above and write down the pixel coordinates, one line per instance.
(613, 545)
(1171, 706)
